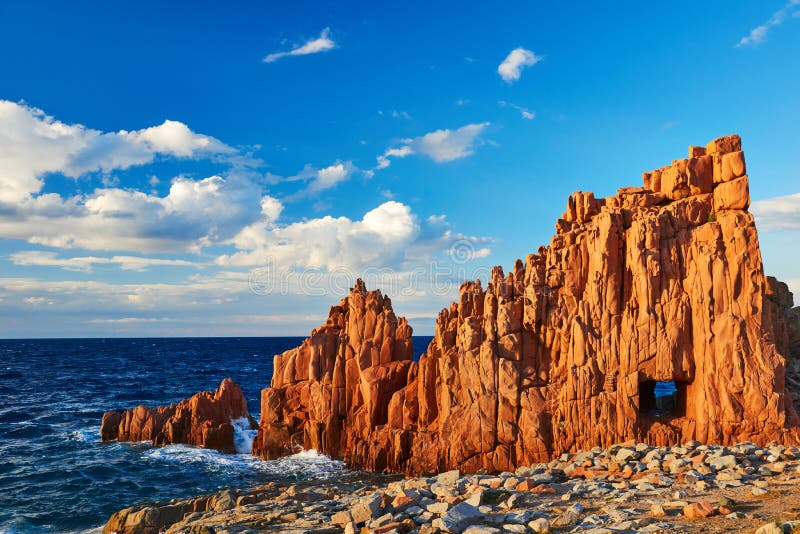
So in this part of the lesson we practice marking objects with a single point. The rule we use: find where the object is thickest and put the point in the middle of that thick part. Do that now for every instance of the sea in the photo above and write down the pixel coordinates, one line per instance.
(55, 473)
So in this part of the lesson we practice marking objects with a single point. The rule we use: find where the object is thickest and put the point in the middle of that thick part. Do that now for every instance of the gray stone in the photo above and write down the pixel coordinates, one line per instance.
(458, 518)
(380, 521)
(443, 490)
(342, 518)
(722, 462)
(543, 478)
(657, 510)
(512, 501)
(570, 517)
(540, 526)
(518, 518)
(476, 498)
(770, 528)
(480, 529)
(448, 478)
(366, 509)
(625, 454)
(438, 508)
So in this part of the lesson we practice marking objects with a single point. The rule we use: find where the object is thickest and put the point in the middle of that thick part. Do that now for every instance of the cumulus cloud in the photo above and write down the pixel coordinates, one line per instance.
(389, 235)
(323, 43)
(519, 58)
(33, 144)
(440, 145)
(41, 258)
(777, 213)
(194, 214)
(759, 34)
(330, 176)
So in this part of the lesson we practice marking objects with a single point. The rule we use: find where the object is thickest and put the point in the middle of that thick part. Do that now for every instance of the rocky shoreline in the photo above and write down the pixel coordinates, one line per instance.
(630, 487)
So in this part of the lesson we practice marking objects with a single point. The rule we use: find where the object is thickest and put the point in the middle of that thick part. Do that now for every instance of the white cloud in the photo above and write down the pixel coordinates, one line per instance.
(318, 179)
(42, 258)
(194, 214)
(759, 34)
(518, 59)
(448, 145)
(330, 176)
(440, 145)
(321, 44)
(388, 236)
(401, 152)
(33, 144)
(132, 320)
(38, 301)
(777, 213)
(90, 295)
(525, 113)
(395, 114)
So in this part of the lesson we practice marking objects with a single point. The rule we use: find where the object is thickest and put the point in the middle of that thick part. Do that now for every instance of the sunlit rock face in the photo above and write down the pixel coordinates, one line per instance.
(206, 420)
(660, 283)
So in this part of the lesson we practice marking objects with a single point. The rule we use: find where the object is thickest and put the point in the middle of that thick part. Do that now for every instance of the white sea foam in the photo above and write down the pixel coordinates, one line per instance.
(305, 464)
(242, 435)
(85, 435)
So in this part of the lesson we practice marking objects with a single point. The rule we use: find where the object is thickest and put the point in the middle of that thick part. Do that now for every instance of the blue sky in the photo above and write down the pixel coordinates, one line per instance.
(227, 169)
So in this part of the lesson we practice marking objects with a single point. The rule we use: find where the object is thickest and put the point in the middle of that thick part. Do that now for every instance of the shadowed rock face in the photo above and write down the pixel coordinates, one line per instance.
(203, 420)
(658, 283)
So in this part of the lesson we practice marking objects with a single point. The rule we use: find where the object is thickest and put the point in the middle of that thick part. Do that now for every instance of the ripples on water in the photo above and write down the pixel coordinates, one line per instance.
(56, 475)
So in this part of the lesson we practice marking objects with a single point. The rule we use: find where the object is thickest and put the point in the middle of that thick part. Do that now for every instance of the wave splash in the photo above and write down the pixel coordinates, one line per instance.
(307, 464)
(243, 435)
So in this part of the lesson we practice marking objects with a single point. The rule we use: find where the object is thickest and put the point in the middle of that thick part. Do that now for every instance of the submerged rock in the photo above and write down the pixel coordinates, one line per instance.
(206, 420)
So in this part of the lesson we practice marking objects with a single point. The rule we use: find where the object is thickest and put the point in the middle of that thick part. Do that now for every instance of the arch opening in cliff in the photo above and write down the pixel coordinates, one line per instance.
(662, 399)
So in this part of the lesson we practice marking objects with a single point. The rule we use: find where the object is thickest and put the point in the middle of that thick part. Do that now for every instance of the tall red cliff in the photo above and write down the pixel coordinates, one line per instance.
(658, 283)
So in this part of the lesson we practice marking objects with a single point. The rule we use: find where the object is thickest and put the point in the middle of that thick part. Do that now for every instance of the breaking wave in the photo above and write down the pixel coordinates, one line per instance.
(303, 465)
(243, 435)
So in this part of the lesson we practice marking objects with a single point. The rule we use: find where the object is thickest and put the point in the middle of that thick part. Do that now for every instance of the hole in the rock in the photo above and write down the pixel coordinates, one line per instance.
(662, 399)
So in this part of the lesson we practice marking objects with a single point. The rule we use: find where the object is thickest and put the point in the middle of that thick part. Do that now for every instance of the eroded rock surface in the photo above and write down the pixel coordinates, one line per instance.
(658, 283)
(203, 420)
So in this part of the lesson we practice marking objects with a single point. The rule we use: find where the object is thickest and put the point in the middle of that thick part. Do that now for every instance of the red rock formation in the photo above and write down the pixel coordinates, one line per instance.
(657, 283)
(331, 391)
(203, 420)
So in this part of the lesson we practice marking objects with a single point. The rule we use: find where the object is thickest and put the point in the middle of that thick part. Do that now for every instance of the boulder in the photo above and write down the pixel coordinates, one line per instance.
(733, 195)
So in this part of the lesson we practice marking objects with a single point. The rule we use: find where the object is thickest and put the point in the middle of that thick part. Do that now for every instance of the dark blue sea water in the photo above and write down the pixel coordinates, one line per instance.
(56, 475)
